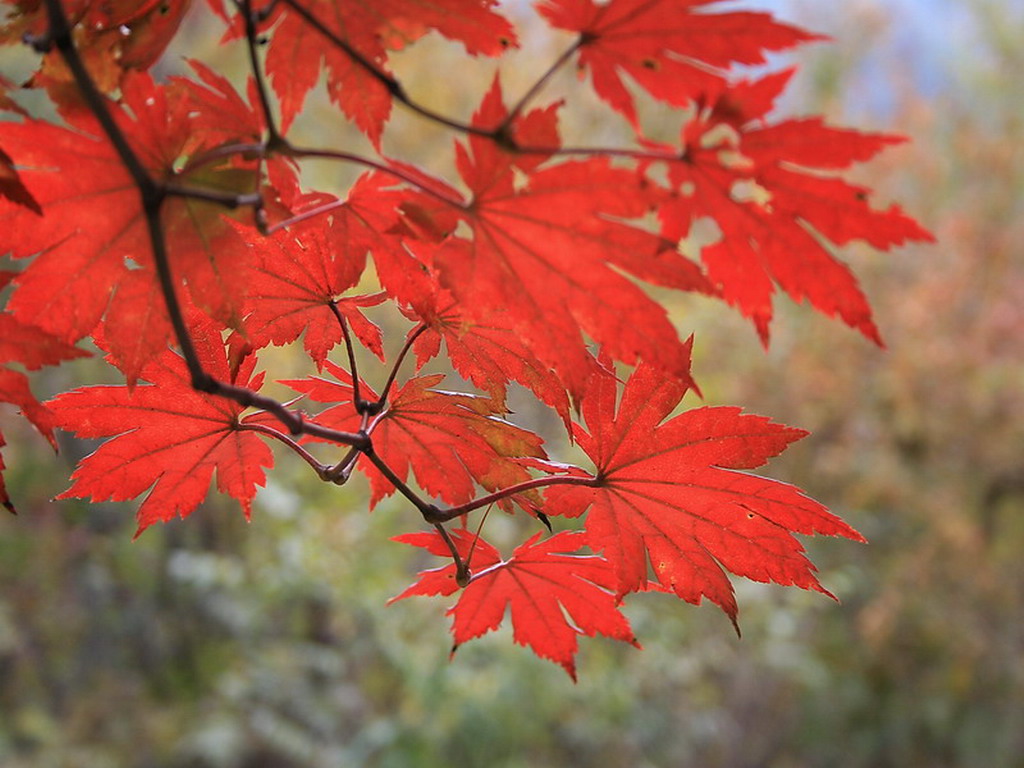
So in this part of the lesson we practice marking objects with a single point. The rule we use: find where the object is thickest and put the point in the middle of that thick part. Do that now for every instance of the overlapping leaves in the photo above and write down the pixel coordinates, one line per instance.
(538, 260)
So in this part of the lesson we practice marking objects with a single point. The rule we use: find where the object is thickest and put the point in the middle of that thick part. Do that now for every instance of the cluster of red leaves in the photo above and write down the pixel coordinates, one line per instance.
(524, 268)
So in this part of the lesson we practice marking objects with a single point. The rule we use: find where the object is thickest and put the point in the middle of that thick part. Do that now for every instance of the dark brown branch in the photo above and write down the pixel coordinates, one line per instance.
(444, 515)
(536, 87)
(357, 400)
(398, 362)
(252, 41)
(319, 467)
(462, 573)
(429, 511)
(225, 199)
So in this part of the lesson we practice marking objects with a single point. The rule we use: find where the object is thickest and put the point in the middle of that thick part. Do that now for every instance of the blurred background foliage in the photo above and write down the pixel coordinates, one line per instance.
(211, 643)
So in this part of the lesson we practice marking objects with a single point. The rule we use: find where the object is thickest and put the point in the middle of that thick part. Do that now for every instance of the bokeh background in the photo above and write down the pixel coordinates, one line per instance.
(216, 644)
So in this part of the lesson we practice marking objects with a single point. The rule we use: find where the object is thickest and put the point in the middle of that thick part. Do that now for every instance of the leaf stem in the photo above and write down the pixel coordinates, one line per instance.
(462, 572)
(444, 515)
(251, 35)
(320, 468)
(537, 86)
(357, 400)
(225, 199)
(415, 334)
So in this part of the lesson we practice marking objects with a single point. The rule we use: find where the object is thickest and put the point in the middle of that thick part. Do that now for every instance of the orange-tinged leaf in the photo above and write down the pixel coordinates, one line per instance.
(449, 440)
(488, 351)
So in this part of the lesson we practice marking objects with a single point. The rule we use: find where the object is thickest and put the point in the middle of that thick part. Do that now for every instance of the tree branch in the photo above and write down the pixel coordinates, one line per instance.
(444, 515)
(398, 362)
(251, 37)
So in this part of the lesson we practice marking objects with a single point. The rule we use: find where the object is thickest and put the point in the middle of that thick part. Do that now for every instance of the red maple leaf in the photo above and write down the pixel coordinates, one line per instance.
(764, 186)
(543, 583)
(673, 49)
(487, 352)
(451, 441)
(31, 348)
(667, 493)
(300, 274)
(551, 253)
(92, 241)
(369, 27)
(167, 438)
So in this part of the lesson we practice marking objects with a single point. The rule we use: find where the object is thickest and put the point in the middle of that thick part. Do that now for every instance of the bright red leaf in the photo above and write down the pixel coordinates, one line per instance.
(674, 49)
(778, 215)
(300, 273)
(167, 438)
(487, 352)
(93, 242)
(552, 253)
(554, 595)
(667, 494)
(370, 27)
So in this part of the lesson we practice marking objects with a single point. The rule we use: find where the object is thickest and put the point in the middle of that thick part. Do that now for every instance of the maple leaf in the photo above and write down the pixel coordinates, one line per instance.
(778, 215)
(300, 276)
(32, 348)
(487, 352)
(451, 441)
(666, 492)
(14, 389)
(93, 234)
(672, 48)
(113, 37)
(167, 438)
(550, 254)
(541, 583)
(369, 27)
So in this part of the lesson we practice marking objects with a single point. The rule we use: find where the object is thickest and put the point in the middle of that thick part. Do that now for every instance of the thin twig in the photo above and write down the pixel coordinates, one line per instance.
(251, 37)
(357, 400)
(225, 199)
(536, 87)
(398, 362)
(319, 467)
(444, 515)
(462, 573)
(429, 511)
(220, 153)
(330, 154)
